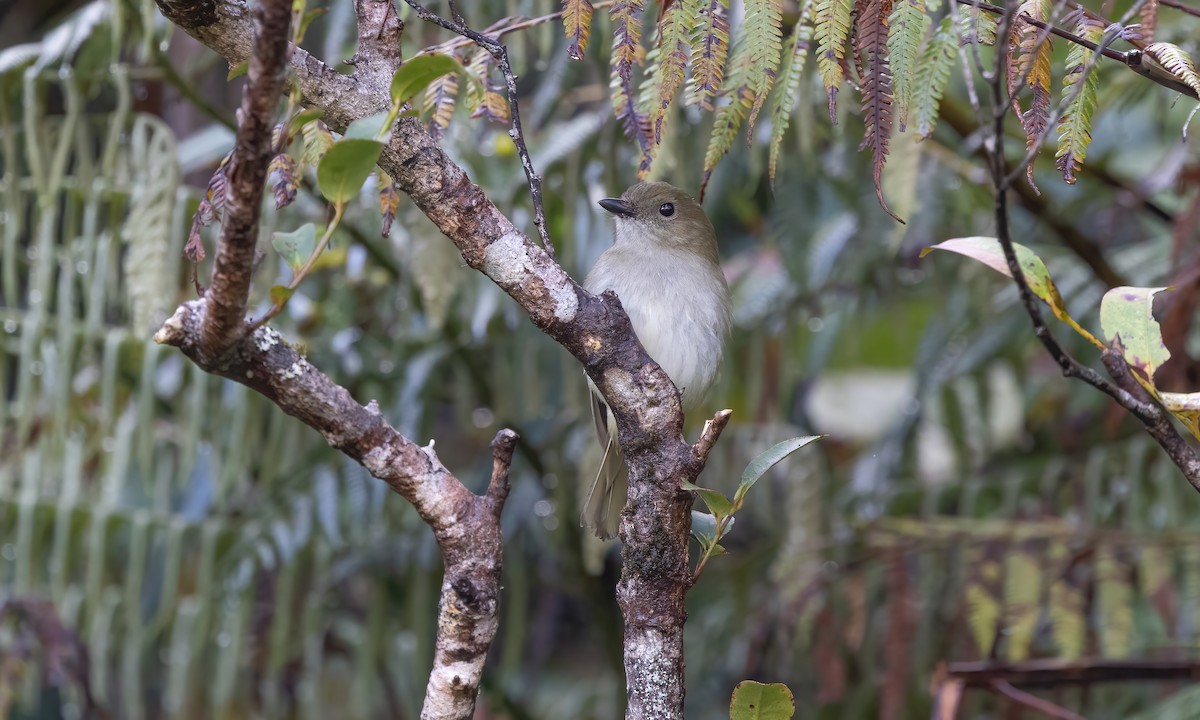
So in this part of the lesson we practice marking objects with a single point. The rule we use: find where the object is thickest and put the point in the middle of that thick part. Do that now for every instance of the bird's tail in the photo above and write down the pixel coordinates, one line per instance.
(606, 499)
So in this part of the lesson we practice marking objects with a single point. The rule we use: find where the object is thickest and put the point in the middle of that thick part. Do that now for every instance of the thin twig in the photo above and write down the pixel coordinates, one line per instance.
(499, 51)
(1181, 7)
(1034, 702)
(499, 29)
(502, 453)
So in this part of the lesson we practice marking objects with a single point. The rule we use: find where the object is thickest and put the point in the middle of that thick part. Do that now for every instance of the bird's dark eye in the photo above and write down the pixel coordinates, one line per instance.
(666, 209)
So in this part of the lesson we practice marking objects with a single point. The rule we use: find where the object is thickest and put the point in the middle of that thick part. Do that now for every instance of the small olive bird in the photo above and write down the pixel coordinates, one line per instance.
(664, 267)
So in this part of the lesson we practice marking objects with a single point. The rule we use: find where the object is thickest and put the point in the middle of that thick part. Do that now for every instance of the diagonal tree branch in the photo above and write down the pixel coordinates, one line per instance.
(595, 330)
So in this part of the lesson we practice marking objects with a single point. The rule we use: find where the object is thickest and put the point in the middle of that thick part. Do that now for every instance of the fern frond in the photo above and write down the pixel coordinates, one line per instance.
(982, 595)
(1178, 62)
(831, 32)
(785, 91)
(872, 35)
(752, 51)
(317, 140)
(440, 98)
(626, 18)
(1022, 600)
(909, 24)
(1114, 601)
(933, 72)
(976, 26)
(389, 200)
(287, 179)
(1075, 126)
(710, 48)
(1148, 21)
(674, 49)
(1029, 64)
(764, 42)
(493, 107)
(478, 68)
(1067, 604)
(577, 24)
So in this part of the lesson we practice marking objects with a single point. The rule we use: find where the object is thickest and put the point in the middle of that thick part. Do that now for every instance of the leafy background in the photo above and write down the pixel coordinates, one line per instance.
(213, 558)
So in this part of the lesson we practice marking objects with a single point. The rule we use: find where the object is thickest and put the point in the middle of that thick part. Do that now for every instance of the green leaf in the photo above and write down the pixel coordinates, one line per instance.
(345, 168)
(237, 71)
(1128, 313)
(280, 294)
(717, 503)
(704, 528)
(295, 246)
(369, 128)
(300, 119)
(757, 701)
(417, 72)
(767, 460)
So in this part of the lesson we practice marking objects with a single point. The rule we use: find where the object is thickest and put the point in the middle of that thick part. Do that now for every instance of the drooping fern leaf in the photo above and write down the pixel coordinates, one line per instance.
(1114, 601)
(1178, 62)
(478, 68)
(317, 140)
(748, 80)
(872, 36)
(932, 74)
(831, 32)
(626, 17)
(794, 60)
(1075, 126)
(493, 107)
(577, 24)
(710, 48)
(1067, 604)
(389, 201)
(976, 26)
(286, 179)
(1022, 598)
(1148, 20)
(674, 49)
(909, 23)
(439, 101)
(1029, 64)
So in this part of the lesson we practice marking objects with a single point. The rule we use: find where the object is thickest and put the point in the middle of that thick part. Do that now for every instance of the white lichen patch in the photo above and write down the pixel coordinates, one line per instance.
(172, 329)
(265, 338)
(295, 370)
(507, 261)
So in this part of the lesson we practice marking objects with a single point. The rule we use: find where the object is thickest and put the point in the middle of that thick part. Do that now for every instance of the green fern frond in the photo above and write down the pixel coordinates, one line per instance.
(1022, 600)
(725, 128)
(909, 24)
(1114, 602)
(981, 594)
(674, 49)
(1075, 126)
(478, 68)
(577, 24)
(764, 42)
(785, 91)
(1066, 605)
(1178, 62)
(976, 26)
(317, 140)
(710, 48)
(932, 74)
(440, 98)
(831, 32)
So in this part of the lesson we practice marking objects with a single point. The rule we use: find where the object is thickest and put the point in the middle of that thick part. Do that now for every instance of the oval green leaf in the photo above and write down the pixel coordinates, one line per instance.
(280, 294)
(987, 250)
(369, 128)
(416, 73)
(758, 701)
(1128, 313)
(345, 168)
(295, 246)
(767, 460)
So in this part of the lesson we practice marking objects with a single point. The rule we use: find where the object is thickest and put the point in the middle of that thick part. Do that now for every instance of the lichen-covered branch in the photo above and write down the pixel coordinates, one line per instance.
(595, 330)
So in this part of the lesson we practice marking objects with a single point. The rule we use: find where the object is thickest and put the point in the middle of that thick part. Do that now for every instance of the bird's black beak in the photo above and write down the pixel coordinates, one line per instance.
(617, 206)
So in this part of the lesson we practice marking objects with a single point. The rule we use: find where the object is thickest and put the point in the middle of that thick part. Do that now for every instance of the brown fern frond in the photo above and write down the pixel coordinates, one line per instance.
(577, 24)
(287, 179)
(1029, 64)
(626, 18)
(478, 68)
(389, 201)
(710, 48)
(872, 54)
(440, 99)
(1148, 21)
(493, 107)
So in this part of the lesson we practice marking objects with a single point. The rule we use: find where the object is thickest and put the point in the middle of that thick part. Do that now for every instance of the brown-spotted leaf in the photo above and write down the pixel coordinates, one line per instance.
(1127, 313)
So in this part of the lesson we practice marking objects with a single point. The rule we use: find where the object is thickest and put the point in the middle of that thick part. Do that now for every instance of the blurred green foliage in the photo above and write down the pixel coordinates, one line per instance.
(217, 559)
